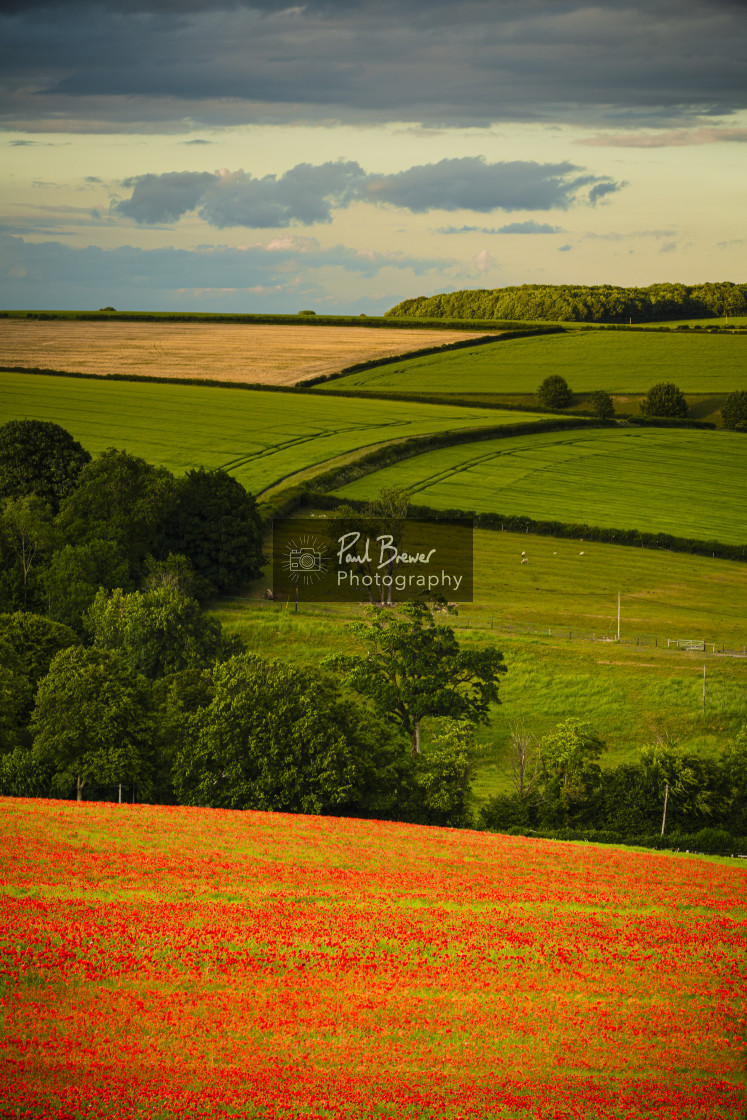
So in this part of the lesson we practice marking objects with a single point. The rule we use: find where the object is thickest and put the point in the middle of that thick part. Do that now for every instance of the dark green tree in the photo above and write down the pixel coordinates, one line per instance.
(276, 737)
(76, 572)
(28, 535)
(664, 399)
(158, 632)
(214, 522)
(38, 457)
(92, 722)
(33, 642)
(570, 772)
(602, 404)
(554, 392)
(122, 498)
(734, 412)
(414, 667)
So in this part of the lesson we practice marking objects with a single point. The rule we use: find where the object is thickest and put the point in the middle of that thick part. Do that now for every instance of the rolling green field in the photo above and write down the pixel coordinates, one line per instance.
(260, 437)
(628, 692)
(687, 483)
(618, 362)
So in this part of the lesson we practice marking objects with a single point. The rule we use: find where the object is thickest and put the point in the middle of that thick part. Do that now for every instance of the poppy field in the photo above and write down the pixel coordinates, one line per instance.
(162, 962)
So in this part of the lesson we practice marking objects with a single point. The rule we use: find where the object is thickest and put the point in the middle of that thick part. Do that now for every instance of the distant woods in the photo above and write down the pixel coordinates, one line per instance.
(582, 304)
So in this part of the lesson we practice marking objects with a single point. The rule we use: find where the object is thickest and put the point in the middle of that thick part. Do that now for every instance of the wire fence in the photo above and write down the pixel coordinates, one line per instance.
(507, 626)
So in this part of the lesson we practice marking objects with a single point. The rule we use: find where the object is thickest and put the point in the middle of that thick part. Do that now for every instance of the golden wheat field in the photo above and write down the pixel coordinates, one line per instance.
(270, 354)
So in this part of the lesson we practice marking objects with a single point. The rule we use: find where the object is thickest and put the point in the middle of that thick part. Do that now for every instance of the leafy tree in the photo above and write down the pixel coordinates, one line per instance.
(38, 457)
(92, 722)
(693, 798)
(276, 737)
(158, 632)
(734, 412)
(31, 642)
(28, 533)
(175, 573)
(664, 399)
(414, 667)
(554, 392)
(122, 498)
(444, 775)
(214, 522)
(570, 771)
(602, 404)
(177, 699)
(76, 572)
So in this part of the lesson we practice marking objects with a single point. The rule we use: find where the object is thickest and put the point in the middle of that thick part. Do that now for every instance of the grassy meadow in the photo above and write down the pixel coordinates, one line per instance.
(630, 693)
(262, 353)
(160, 962)
(619, 362)
(260, 437)
(678, 481)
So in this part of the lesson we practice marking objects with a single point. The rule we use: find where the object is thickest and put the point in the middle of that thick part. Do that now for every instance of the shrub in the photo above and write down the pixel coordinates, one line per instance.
(734, 412)
(664, 399)
(554, 392)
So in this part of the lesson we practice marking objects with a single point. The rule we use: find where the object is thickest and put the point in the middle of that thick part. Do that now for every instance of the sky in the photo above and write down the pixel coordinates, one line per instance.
(343, 155)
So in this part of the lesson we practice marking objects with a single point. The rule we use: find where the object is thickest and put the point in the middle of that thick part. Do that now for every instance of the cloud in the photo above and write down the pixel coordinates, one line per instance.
(307, 194)
(675, 138)
(512, 227)
(49, 274)
(565, 248)
(530, 227)
(167, 64)
(484, 261)
(471, 183)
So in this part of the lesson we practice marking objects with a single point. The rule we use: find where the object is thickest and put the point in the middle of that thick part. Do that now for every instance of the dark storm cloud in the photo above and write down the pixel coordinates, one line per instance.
(307, 194)
(180, 63)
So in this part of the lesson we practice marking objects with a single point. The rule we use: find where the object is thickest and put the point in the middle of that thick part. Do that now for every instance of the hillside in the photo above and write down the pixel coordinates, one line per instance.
(263, 966)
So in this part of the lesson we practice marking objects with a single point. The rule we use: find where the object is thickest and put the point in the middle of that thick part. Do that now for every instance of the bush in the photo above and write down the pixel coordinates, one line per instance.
(713, 841)
(734, 412)
(554, 392)
(664, 399)
(602, 404)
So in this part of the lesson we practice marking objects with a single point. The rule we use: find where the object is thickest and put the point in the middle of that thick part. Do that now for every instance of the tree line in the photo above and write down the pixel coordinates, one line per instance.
(602, 303)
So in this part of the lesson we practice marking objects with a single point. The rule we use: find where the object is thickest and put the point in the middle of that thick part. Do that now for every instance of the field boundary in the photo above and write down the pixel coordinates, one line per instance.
(466, 343)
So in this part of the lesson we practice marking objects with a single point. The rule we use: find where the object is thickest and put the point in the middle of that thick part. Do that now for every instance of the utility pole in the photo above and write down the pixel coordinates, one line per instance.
(666, 798)
(120, 793)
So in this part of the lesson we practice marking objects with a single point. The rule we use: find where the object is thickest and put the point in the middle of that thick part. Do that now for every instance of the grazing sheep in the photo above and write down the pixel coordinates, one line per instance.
(525, 560)
(580, 553)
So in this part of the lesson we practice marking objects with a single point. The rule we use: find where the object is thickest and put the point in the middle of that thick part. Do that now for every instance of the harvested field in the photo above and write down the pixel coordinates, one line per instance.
(268, 354)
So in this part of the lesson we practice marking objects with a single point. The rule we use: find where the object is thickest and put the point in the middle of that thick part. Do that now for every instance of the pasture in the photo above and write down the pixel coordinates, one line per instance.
(260, 437)
(687, 483)
(629, 692)
(162, 962)
(619, 362)
(268, 354)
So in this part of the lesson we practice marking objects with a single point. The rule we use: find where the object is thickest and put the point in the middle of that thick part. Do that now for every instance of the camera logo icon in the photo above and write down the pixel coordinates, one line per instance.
(305, 561)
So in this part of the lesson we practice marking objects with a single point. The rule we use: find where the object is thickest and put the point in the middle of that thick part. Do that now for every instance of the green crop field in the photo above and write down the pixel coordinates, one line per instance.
(629, 692)
(618, 362)
(260, 437)
(687, 483)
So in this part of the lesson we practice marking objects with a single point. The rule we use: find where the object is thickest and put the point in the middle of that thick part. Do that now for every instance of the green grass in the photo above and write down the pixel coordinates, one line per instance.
(629, 693)
(678, 481)
(260, 437)
(618, 362)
